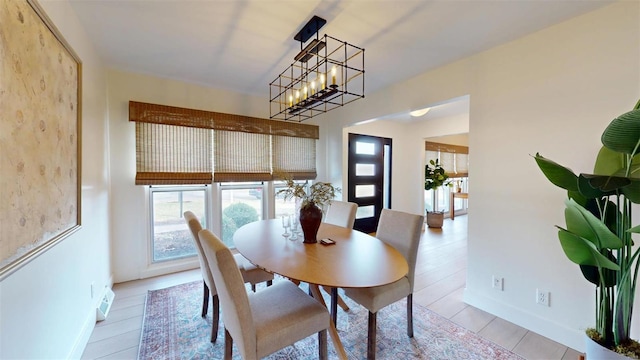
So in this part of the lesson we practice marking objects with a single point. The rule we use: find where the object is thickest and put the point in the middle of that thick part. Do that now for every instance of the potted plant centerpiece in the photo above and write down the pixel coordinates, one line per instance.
(598, 231)
(435, 177)
(311, 202)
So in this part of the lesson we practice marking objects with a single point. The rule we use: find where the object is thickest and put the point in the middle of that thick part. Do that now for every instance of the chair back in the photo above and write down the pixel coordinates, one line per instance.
(402, 231)
(234, 301)
(195, 227)
(341, 213)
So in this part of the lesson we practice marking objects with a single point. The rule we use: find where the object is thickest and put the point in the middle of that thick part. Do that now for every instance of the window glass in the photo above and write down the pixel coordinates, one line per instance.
(364, 212)
(241, 204)
(288, 206)
(365, 169)
(365, 148)
(171, 238)
(365, 190)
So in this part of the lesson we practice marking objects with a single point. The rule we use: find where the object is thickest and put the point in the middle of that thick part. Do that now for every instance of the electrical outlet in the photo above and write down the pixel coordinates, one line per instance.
(542, 297)
(497, 283)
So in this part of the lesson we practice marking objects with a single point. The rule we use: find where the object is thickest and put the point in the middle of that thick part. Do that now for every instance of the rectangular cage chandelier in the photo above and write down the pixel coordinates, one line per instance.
(326, 74)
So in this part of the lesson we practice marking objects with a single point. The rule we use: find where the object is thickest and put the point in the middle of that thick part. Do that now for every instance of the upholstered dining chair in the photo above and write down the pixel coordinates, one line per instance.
(402, 231)
(265, 321)
(250, 273)
(340, 213)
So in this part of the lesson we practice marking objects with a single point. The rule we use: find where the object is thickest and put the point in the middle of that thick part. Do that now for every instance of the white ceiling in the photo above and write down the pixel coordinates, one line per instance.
(242, 45)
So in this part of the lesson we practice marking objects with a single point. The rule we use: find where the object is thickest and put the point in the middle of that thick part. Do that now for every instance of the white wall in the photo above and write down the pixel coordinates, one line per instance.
(46, 309)
(554, 92)
(130, 202)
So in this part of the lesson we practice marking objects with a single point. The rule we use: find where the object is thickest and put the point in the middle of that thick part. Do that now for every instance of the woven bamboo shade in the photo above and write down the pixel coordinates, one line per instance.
(453, 158)
(185, 146)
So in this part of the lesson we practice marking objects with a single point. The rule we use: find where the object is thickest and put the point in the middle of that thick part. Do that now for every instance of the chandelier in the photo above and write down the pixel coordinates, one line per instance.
(327, 73)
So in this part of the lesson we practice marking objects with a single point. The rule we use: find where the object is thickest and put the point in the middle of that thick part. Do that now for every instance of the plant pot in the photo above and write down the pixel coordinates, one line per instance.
(595, 351)
(435, 219)
(310, 219)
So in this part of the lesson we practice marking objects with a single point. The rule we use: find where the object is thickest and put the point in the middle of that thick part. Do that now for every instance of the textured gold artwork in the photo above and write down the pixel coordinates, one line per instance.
(39, 135)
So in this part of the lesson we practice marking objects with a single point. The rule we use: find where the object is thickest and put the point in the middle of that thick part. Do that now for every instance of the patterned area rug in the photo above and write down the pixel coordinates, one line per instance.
(173, 329)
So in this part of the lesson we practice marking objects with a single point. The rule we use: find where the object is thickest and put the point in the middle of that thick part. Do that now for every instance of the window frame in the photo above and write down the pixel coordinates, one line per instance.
(150, 241)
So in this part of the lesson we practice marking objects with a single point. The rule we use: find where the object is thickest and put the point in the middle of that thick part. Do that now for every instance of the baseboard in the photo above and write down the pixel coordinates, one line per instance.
(560, 333)
(83, 337)
(87, 328)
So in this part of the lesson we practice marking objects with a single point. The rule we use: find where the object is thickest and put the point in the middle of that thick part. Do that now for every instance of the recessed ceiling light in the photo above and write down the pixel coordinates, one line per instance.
(421, 112)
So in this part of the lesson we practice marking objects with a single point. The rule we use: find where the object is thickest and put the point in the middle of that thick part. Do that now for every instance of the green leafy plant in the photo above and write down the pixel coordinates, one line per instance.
(598, 229)
(434, 177)
(319, 193)
(234, 216)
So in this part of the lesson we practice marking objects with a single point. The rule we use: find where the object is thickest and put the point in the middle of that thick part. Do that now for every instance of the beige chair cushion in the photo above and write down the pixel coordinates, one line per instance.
(284, 314)
(375, 298)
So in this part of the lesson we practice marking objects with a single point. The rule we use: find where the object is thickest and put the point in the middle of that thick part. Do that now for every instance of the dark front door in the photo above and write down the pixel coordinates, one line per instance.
(369, 178)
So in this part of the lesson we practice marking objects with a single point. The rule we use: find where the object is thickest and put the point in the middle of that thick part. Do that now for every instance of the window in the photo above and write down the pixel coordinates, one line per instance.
(171, 238)
(288, 206)
(241, 204)
(178, 146)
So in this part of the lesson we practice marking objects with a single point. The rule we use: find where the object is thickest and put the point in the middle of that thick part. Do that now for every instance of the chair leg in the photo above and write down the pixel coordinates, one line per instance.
(253, 287)
(334, 305)
(205, 300)
(410, 315)
(341, 302)
(228, 345)
(322, 345)
(216, 318)
(269, 282)
(371, 342)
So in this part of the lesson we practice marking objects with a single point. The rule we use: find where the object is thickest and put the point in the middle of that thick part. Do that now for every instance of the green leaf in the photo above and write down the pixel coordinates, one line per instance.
(632, 191)
(606, 183)
(558, 175)
(582, 252)
(609, 162)
(588, 191)
(635, 229)
(592, 274)
(623, 133)
(583, 223)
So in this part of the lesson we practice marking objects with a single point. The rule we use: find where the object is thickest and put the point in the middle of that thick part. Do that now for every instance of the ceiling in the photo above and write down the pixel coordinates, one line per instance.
(242, 45)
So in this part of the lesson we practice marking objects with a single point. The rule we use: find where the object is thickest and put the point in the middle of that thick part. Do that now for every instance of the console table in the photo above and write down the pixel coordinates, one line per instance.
(452, 208)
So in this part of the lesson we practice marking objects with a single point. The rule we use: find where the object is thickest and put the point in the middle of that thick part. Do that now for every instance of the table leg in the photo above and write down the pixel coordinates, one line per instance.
(337, 344)
(452, 209)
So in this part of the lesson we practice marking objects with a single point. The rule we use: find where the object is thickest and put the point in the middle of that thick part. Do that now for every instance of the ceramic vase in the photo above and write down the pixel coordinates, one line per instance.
(310, 219)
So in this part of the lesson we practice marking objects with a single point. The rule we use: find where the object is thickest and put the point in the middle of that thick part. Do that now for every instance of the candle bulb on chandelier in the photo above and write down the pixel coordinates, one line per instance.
(313, 87)
(322, 81)
(297, 96)
(304, 92)
(333, 75)
(290, 100)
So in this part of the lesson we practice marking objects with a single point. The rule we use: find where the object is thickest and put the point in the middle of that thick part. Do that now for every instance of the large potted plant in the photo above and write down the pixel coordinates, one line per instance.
(598, 229)
(435, 177)
(311, 201)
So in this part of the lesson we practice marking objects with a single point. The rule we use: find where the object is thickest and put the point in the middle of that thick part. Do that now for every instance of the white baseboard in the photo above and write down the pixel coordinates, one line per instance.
(83, 337)
(573, 338)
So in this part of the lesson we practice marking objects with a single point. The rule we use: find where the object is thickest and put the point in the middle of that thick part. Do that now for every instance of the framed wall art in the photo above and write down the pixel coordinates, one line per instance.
(40, 128)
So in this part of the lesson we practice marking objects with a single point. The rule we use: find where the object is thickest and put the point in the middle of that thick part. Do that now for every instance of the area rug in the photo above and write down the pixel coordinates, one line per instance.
(173, 329)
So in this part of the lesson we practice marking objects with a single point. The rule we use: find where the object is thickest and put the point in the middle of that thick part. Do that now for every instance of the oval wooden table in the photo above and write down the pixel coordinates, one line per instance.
(355, 260)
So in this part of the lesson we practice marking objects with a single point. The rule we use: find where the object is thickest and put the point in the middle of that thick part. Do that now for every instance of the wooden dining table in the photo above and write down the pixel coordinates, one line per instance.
(355, 260)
